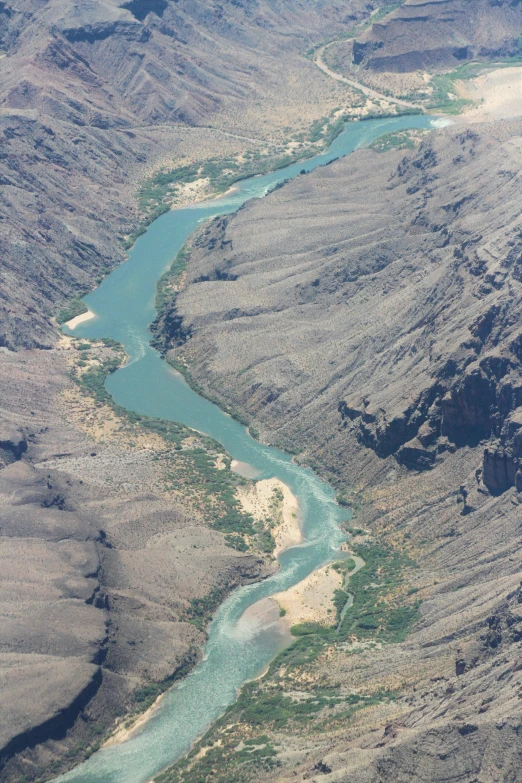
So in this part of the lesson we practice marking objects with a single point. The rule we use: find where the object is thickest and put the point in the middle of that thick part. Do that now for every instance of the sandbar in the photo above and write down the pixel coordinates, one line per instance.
(272, 499)
(311, 600)
(79, 319)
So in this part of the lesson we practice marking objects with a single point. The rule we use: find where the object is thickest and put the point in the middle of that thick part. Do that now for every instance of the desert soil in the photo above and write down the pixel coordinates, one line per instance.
(496, 95)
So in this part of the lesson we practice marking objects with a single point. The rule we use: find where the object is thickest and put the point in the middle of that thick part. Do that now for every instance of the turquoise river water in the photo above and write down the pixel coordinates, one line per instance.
(238, 647)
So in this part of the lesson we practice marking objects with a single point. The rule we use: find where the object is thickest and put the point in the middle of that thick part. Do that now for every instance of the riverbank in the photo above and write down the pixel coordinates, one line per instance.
(235, 652)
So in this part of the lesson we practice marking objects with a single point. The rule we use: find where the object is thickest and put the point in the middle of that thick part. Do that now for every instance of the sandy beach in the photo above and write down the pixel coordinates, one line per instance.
(271, 499)
(124, 733)
(311, 599)
(79, 319)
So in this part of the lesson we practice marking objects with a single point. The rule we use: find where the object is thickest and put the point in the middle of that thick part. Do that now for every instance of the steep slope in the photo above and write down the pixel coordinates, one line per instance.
(380, 336)
(96, 584)
(95, 95)
(440, 33)
(311, 267)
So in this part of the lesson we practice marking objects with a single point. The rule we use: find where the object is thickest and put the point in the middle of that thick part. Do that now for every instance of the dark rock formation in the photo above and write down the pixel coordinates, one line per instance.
(501, 464)
(441, 33)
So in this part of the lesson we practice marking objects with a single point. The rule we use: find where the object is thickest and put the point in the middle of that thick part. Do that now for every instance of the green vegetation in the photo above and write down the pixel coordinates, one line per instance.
(343, 498)
(441, 93)
(189, 468)
(380, 610)
(356, 531)
(93, 379)
(444, 96)
(397, 140)
(234, 749)
(202, 609)
(299, 696)
(71, 310)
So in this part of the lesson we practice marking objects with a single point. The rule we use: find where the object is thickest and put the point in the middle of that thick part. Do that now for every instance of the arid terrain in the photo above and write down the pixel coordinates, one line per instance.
(96, 95)
(367, 314)
(365, 317)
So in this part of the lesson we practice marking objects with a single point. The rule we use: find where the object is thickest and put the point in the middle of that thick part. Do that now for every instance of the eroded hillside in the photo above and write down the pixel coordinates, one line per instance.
(95, 94)
(368, 315)
(440, 33)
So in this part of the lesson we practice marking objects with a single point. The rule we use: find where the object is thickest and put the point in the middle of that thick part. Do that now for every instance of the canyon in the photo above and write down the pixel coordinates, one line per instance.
(364, 317)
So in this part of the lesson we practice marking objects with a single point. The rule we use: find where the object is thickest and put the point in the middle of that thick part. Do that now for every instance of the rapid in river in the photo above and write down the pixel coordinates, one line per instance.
(238, 648)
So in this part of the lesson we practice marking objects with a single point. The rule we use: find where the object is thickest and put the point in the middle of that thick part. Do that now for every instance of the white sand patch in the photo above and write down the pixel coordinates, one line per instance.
(127, 729)
(272, 502)
(498, 94)
(79, 319)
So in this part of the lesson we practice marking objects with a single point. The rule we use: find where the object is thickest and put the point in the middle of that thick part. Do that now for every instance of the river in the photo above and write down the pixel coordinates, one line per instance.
(238, 648)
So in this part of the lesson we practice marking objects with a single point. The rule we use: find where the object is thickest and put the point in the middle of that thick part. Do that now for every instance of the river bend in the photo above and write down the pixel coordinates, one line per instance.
(237, 649)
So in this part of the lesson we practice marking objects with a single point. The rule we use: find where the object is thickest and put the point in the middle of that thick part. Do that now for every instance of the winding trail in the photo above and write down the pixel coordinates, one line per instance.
(359, 563)
(319, 61)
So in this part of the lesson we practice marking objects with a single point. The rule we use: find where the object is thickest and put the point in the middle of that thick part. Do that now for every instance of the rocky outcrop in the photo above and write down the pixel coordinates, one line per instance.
(502, 466)
(13, 444)
(445, 33)
(445, 375)
(168, 329)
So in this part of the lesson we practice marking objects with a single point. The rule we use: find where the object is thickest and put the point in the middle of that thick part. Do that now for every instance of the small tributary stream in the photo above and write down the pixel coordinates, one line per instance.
(238, 648)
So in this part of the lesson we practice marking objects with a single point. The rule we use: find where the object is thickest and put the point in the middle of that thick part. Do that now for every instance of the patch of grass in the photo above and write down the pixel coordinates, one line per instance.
(398, 140)
(356, 531)
(165, 287)
(380, 610)
(71, 310)
(343, 499)
(202, 609)
(444, 95)
(93, 379)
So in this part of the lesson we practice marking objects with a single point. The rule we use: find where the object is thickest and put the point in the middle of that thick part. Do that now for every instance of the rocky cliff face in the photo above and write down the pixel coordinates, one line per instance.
(399, 319)
(441, 33)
